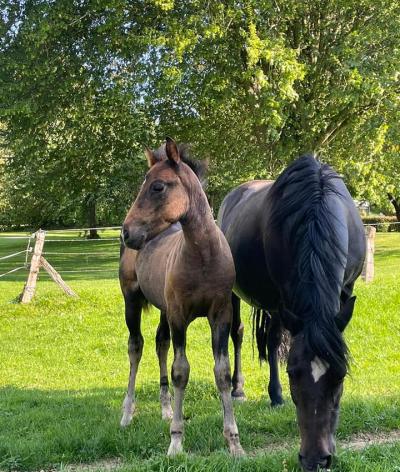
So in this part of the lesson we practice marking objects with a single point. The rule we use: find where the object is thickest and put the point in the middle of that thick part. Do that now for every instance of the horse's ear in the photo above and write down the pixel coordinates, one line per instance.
(171, 150)
(290, 321)
(346, 312)
(150, 156)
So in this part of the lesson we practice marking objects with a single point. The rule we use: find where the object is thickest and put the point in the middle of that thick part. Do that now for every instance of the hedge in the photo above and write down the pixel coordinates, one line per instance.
(383, 223)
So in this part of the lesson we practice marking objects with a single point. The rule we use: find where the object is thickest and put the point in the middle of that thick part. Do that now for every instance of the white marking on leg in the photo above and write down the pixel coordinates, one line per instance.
(128, 408)
(175, 446)
(222, 372)
(165, 399)
(319, 367)
(176, 428)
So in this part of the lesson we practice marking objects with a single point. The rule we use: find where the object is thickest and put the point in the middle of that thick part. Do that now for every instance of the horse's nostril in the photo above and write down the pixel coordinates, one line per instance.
(326, 462)
(322, 463)
(125, 234)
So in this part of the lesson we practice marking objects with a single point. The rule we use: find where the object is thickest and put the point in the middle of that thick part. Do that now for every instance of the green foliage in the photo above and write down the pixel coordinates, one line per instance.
(73, 122)
(382, 223)
(83, 85)
(371, 160)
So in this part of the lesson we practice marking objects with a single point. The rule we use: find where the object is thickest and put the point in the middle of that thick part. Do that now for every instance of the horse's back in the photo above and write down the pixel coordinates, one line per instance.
(237, 197)
(263, 253)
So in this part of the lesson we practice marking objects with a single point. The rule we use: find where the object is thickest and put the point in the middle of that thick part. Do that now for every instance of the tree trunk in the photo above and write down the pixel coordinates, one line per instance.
(91, 217)
(396, 203)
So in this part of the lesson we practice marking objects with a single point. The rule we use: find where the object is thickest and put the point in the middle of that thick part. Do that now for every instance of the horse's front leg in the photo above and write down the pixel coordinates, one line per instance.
(237, 338)
(163, 338)
(180, 377)
(220, 324)
(133, 312)
(274, 338)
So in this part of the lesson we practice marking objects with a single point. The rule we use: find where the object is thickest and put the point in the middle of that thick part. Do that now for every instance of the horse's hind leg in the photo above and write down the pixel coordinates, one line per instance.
(237, 338)
(220, 324)
(133, 313)
(274, 338)
(162, 346)
(346, 293)
(180, 377)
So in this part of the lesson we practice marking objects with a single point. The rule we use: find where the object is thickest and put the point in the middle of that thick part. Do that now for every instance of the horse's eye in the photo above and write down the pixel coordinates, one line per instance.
(157, 186)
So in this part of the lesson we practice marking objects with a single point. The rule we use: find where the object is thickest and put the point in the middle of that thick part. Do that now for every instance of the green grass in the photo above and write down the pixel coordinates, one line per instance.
(64, 250)
(64, 371)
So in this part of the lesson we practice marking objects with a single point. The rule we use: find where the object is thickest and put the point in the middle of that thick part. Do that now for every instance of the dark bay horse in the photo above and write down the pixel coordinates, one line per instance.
(298, 246)
(175, 257)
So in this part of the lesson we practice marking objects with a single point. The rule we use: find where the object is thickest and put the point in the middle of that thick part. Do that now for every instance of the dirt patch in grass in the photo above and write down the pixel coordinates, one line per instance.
(105, 465)
(363, 440)
(356, 442)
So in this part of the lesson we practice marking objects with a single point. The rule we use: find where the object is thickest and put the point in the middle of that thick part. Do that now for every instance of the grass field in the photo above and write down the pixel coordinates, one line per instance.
(64, 371)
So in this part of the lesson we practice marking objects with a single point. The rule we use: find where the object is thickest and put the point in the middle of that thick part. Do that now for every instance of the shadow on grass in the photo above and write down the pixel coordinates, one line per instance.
(43, 428)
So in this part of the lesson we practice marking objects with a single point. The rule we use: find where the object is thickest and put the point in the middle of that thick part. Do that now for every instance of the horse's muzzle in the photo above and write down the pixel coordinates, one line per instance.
(314, 465)
(134, 239)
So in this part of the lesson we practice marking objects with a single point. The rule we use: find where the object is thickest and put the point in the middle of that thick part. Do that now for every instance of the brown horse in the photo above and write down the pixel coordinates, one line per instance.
(175, 257)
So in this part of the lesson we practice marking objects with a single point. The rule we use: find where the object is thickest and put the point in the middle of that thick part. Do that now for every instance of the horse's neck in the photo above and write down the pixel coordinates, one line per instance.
(200, 232)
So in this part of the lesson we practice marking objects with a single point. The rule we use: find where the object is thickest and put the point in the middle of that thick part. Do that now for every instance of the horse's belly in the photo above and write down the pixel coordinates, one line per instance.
(253, 283)
(154, 297)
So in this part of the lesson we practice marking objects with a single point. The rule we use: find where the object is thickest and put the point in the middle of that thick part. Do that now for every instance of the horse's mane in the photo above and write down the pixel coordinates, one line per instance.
(302, 216)
(197, 166)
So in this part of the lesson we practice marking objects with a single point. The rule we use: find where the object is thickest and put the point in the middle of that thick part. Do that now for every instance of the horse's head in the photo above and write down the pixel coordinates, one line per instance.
(316, 387)
(163, 198)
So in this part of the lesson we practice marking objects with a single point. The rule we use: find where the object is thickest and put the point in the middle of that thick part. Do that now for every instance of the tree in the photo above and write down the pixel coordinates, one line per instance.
(74, 124)
(251, 85)
(254, 85)
(369, 159)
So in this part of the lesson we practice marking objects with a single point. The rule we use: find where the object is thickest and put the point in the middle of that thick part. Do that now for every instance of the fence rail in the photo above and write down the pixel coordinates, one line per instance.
(12, 271)
(93, 253)
(100, 228)
(13, 255)
(65, 262)
(81, 240)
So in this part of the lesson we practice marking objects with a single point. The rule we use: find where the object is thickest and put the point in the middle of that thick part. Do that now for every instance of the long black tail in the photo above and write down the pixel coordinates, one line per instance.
(261, 326)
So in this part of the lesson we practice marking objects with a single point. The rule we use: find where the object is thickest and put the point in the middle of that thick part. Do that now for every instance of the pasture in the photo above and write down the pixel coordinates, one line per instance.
(64, 370)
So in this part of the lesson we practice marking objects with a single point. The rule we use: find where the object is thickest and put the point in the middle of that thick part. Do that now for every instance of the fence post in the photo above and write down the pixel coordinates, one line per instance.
(30, 286)
(56, 277)
(368, 271)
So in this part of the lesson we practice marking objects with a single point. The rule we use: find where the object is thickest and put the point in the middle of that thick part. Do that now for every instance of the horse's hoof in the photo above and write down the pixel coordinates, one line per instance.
(277, 403)
(233, 442)
(175, 447)
(237, 451)
(126, 419)
(167, 413)
(238, 396)
(128, 408)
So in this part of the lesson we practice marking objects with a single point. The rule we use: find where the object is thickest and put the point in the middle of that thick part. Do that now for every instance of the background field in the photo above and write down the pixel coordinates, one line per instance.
(64, 371)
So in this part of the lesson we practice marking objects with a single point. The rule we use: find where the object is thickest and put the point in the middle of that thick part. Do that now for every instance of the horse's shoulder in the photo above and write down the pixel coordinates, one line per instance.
(244, 191)
(252, 186)
(127, 269)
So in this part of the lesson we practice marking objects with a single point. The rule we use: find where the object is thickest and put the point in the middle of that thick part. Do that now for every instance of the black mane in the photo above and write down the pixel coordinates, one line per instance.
(302, 216)
(197, 166)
